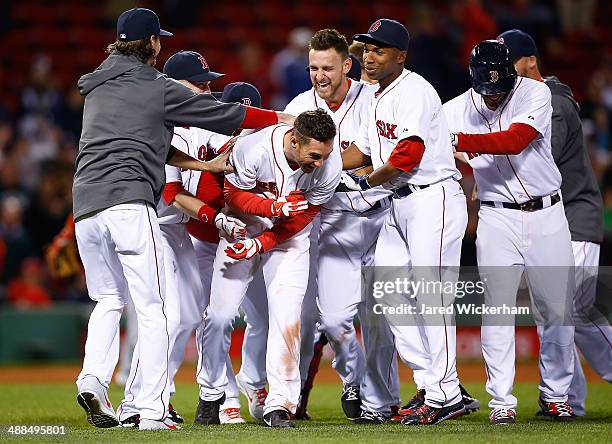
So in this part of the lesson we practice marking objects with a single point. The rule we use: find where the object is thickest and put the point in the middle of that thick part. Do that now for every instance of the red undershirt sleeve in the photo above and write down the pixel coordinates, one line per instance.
(407, 154)
(258, 118)
(247, 201)
(171, 190)
(285, 229)
(512, 141)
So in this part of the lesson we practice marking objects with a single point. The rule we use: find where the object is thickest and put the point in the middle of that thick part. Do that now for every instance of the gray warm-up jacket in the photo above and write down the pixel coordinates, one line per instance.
(581, 196)
(130, 112)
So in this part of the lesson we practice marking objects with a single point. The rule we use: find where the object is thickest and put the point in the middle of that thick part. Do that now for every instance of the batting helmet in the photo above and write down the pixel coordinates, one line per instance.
(491, 69)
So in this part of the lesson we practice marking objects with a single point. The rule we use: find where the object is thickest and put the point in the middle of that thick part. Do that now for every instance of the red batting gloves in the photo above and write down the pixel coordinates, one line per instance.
(230, 226)
(245, 249)
(293, 204)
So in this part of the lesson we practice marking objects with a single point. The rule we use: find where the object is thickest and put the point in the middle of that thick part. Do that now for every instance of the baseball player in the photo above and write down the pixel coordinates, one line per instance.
(349, 222)
(282, 177)
(130, 110)
(503, 127)
(185, 295)
(584, 211)
(406, 141)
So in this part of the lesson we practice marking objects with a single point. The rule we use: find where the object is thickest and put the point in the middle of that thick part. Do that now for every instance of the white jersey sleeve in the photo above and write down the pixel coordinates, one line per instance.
(533, 106)
(413, 116)
(361, 140)
(246, 161)
(173, 174)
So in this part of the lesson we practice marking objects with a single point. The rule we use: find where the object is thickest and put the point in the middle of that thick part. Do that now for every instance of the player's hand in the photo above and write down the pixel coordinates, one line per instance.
(293, 204)
(228, 145)
(245, 249)
(230, 226)
(351, 182)
(219, 164)
(285, 118)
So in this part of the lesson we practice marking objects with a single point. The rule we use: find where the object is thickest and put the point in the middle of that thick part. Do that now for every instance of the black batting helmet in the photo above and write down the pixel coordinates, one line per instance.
(491, 69)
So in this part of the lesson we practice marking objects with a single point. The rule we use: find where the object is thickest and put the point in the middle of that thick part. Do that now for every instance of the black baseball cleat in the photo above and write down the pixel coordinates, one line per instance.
(207, 412)
(427, 415)
(351, 401)
(371, 418)
(132, 421)
(417, 401)
(98, 409)
(279, 419)
(174, 415)
(470, 403)
(557, 411)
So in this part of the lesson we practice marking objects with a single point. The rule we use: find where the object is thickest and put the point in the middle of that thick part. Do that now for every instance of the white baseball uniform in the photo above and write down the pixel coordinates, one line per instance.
(261, 166)
(424, 228)
(349, 227)
(511, 241)
(201, 144)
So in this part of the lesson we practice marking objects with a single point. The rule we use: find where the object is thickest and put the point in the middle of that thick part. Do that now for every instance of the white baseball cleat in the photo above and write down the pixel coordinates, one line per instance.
(151, 424)
(93, 398)
(256, 398)
(231, 415)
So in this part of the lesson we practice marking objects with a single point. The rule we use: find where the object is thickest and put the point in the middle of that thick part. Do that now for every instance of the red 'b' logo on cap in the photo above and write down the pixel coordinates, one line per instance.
(246, 101)
(375, 26)
(203, 62)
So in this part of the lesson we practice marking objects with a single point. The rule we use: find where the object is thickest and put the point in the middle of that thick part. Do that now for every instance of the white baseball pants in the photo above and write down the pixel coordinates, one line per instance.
(423, 233)
(285, 270)
(510, 242)
(121, 250)
(184, 308)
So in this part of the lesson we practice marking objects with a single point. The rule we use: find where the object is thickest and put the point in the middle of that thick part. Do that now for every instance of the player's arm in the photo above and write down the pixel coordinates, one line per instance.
(281, 231)
(183, 107)
(353, 157)
(511, 141)
(406, 155)
(217, 165)
(174, 194)
(248, 202)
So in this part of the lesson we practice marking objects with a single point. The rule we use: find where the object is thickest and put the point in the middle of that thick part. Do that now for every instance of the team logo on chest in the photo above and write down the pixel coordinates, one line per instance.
(387, 130)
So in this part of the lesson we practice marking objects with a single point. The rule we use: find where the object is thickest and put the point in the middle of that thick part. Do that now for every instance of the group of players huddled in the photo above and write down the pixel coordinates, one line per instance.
(183, 196)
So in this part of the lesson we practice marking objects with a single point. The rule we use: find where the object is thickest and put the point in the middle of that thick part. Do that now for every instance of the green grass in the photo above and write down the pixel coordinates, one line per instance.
(56, 404)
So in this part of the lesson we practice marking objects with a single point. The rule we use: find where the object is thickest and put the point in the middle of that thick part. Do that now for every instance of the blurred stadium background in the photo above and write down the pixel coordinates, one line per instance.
(47, 45)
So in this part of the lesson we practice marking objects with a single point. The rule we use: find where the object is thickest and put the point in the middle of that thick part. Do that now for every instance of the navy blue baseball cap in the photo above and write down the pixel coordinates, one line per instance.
(519, 43)
(137, 24)
(386, 32)
(190, 66)
(241, 92)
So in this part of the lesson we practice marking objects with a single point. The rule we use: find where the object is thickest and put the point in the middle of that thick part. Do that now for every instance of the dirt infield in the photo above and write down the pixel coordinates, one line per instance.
(472, 372)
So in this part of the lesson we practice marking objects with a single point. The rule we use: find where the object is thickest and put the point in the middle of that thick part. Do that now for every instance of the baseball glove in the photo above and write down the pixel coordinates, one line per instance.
(61, 256)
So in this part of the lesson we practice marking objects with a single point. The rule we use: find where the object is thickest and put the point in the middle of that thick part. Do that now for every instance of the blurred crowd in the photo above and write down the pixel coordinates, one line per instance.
(40, 122)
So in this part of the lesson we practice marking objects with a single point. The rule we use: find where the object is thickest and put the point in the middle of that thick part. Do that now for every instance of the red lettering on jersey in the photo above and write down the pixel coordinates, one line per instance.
(472, 155)
(266, 187)
(387, 130)
(344, 144)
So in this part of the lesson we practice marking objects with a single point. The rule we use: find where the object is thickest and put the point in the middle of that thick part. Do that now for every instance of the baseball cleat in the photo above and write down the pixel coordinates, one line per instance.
(417, 401)
(351, 401)
(231, 415)
(132, 421)
(256, 398)
(471, 404)
(207, 412)
(174, 415)
(374, 418)
(395, 416)
(278, 419)
(94, 400)
(152, 424)
(502, 416)
(557, 411)
(427, 415)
